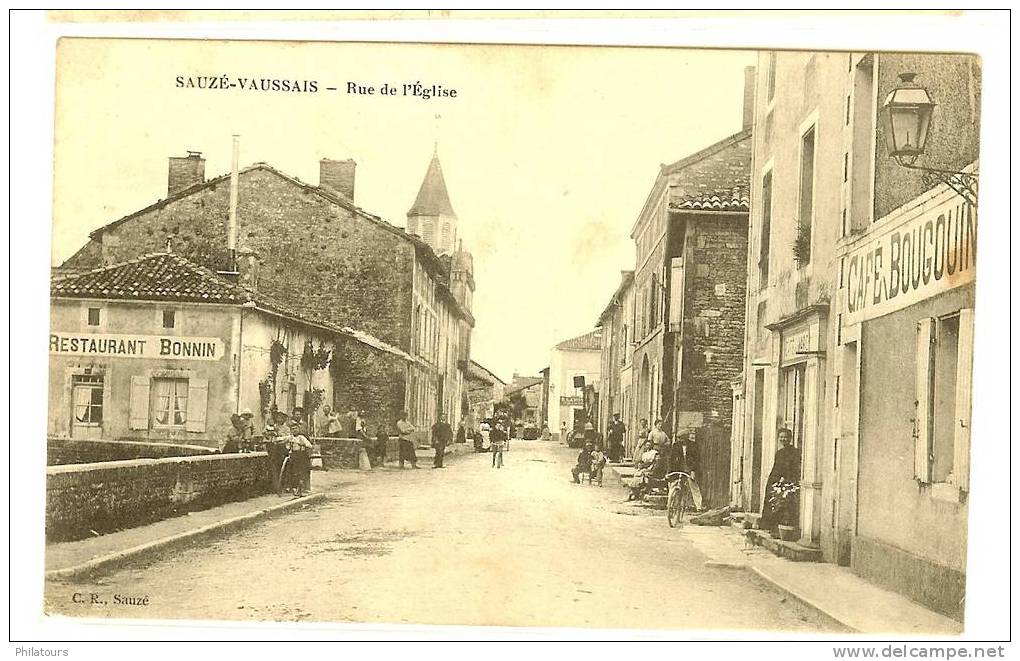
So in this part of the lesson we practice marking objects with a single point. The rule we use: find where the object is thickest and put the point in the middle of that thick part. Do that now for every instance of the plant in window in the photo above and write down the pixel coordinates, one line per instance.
(802, 245)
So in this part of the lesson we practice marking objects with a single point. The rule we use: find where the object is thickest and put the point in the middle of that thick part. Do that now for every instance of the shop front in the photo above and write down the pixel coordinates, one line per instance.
(907, 313)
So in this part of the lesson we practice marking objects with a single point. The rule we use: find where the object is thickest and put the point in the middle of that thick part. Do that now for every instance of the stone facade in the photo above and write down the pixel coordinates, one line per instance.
(331, 261)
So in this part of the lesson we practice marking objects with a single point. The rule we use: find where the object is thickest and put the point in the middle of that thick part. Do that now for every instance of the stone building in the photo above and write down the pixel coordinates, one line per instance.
(484, 391)
(858, 340)
(615, 389)
(333, 262)
(160, 349)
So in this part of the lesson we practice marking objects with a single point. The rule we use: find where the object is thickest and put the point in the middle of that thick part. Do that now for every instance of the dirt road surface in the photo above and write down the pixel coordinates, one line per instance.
(467, 545)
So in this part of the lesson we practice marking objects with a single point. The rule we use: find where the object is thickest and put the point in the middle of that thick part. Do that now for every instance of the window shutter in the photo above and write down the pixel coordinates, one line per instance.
(676, 293)
(138, 417)
(198, 395)
(924, 384)
(964, 382)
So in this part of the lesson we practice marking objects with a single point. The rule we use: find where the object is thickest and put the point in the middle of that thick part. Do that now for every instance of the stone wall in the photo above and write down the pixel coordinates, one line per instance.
(105, 497)
(323, 259)
(714, 314)
(78, 451)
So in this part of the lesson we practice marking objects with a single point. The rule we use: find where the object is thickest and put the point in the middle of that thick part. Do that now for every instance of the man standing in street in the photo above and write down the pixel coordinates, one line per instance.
(442, 435)
(404, 430)
(615, 437)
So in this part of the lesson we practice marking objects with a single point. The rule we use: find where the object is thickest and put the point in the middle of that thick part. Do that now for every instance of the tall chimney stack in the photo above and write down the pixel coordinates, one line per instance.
(748, 97)
(185, 171)
(338, 176)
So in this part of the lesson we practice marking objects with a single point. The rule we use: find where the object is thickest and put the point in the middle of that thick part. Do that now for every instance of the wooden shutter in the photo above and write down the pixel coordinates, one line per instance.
(198, 396)
(676, 293)
(138, 416)
(964, 385)
(924, 385)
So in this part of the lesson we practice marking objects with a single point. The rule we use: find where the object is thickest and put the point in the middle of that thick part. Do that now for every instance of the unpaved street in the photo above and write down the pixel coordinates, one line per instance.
(470, 545)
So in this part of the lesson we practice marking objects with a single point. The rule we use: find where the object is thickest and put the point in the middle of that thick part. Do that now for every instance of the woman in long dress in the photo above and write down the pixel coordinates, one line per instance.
(786, 467)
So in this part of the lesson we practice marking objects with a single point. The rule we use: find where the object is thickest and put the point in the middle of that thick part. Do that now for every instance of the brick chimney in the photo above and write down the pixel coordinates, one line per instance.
(748, 97)
(338, 176)
(185, 171)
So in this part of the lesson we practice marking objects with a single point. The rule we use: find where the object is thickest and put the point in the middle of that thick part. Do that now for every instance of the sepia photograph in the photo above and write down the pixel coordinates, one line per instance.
(587, 337)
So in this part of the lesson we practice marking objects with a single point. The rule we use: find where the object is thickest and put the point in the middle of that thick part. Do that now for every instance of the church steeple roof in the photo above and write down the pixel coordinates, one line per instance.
(432, 200)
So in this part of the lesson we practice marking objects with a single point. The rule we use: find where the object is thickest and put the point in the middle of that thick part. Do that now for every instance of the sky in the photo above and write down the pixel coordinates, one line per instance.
(548, 152)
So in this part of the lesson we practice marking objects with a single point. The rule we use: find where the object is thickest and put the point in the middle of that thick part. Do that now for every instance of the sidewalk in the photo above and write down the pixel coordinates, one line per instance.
(86, 556)
(836, 591)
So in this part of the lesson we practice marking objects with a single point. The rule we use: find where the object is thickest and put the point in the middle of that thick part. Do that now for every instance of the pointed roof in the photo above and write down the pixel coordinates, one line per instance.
(432, 200)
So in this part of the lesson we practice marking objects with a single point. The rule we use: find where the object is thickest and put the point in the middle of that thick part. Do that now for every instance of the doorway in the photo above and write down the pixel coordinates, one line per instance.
(756, 440)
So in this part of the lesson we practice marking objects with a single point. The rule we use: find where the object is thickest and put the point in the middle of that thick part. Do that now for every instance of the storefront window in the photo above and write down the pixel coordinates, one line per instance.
(171, 402)
(88, 399)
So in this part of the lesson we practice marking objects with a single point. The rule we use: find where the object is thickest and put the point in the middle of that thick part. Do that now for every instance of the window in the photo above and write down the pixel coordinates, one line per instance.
(770, 87)
(807, 197)
(169, 318)
(93, 316)
(88, 399)
(944, 359)
(766, 231)
(170, 406)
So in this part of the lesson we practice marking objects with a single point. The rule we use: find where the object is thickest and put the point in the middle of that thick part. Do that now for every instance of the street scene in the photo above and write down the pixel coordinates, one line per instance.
(511, 554)
(713, 377)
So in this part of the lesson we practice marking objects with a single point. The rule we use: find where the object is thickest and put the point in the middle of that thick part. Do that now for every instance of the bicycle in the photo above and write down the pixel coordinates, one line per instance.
(682, 498)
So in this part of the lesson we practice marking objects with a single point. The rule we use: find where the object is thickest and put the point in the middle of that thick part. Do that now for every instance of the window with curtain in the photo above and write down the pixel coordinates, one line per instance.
(88, 399)
(170, 408)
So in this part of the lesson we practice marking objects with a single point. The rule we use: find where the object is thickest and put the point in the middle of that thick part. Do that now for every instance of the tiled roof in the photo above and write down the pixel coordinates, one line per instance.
(478, 372)
(156, 277)
(171, 277)
(591, 341)
(736, 199)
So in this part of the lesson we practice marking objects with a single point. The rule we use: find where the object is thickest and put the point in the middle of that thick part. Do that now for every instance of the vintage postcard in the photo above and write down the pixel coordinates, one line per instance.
(513, 335)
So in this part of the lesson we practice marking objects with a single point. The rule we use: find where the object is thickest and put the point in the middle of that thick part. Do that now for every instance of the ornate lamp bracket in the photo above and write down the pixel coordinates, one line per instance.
(963, 184)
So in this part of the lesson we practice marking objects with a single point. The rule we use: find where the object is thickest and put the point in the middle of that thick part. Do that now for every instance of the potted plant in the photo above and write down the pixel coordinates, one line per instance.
(784, 501)
(802, 246)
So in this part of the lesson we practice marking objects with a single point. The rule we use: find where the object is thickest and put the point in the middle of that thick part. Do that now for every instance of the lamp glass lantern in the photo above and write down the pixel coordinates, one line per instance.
(907, 118)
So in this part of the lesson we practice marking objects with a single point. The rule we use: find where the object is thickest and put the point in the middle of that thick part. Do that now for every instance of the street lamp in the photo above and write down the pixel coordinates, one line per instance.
(907, 118)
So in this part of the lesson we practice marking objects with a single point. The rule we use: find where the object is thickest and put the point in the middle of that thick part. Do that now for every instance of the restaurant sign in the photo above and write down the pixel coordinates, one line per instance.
(156, 347)
(931, 249)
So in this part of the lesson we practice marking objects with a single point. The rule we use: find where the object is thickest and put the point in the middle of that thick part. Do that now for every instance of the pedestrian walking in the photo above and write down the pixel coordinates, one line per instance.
(497, 439)
(615, 436)
(563, 431)
(299, 461)
(442, 435)
(404, 430)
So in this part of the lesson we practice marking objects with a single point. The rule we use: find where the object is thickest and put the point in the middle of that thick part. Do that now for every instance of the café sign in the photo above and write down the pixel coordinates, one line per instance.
(930, 250)
(155, 347)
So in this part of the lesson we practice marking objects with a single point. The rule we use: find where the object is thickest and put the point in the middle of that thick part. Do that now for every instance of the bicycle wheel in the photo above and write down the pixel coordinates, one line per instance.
(677, 505)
